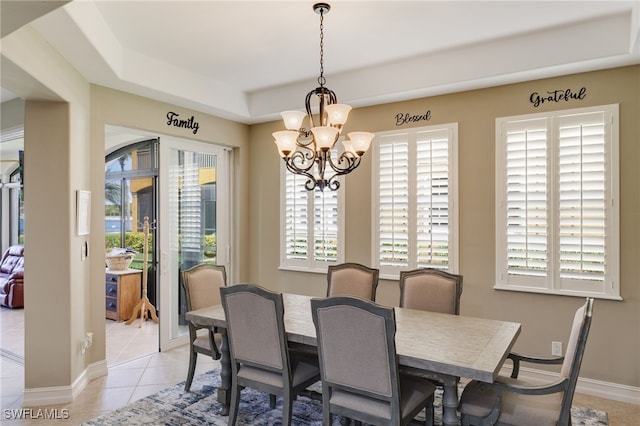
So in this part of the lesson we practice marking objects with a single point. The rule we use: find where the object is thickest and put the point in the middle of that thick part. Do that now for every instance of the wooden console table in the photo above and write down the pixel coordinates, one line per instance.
(122, 293)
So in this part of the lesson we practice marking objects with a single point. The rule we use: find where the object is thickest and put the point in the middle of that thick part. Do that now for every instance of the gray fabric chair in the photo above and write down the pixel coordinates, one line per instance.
(431, 290)
(260, 358)
(201, 286)
(359, 365)
(352, 279)
(513, 401)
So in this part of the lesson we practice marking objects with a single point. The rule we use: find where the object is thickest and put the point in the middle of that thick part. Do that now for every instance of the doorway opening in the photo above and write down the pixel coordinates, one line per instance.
(131, 195)
(182, 186)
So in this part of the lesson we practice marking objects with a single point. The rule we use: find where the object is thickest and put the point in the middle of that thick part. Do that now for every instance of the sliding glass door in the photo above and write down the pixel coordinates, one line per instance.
(194, 219)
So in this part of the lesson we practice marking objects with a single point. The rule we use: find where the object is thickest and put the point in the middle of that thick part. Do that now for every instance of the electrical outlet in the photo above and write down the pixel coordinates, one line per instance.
(556, 348)
(86, 342)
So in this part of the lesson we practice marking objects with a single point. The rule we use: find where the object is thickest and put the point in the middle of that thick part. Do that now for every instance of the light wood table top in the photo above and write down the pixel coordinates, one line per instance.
(447, 344)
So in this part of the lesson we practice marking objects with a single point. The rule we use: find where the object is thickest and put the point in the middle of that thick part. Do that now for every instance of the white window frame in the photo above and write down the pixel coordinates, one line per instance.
(309, 263)
(410, 135)
(549, 280)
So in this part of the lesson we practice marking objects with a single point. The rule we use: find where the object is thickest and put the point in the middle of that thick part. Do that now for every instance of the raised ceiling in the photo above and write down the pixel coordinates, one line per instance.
(248, 60)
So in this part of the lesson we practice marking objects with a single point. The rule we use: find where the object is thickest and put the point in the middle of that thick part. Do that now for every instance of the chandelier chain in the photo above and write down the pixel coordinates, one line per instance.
(321, 79)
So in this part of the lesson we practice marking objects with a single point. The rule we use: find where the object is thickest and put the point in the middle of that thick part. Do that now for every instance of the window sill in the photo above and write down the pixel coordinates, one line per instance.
(523, 289)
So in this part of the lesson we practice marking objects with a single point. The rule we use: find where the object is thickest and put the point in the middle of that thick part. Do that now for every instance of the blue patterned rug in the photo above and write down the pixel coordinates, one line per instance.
(175, 407)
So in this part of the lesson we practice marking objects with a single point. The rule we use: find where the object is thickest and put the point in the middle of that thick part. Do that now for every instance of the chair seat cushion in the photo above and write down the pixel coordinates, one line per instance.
(414, 391)
(524, 410)
(202, 341)
(303, 369)
(360, 403)
(260, 375)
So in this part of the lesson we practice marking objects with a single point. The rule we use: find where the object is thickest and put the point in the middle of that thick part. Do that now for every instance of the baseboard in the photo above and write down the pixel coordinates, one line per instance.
(597, 388)
(37, 397)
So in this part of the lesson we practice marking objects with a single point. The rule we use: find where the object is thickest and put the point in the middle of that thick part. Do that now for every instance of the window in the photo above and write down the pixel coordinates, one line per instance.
(11, 186)
(311, 225)
(415, 200)
(557, 227)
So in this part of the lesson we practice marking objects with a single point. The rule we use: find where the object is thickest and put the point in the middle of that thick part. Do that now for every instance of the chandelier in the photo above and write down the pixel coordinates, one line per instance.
(309, 152)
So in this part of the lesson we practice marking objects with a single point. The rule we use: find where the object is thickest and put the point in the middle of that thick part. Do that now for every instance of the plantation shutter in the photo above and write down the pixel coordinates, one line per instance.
(526, 198)
(415, 191)
(311, 225)
(582, 195)
(296, 217)
(557, 202)
(432, 199)
(325, 226)
(394, 201)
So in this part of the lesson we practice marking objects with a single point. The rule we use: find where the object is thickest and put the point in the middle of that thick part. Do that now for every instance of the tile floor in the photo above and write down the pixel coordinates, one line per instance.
(144, 374)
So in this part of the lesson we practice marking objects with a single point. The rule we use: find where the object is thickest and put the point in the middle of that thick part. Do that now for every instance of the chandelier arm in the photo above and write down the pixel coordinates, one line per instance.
(306, 161)
(311, 183)
(352, 162)
(324, 93)
(333, 183)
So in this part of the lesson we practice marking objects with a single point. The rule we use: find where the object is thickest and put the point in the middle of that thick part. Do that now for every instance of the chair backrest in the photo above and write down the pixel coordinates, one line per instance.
(255, 327)
(431, 290)
(201, 283)
(573, 356)
(352, 279)
(359, 359)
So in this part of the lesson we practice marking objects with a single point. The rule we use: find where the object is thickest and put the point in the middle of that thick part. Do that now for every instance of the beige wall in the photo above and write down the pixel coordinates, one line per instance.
(12, 113)
(122, 109)
(56, 131)
(613, 350)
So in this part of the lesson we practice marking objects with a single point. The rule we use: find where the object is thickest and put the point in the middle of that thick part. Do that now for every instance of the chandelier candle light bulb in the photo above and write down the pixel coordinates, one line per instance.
(309, 152)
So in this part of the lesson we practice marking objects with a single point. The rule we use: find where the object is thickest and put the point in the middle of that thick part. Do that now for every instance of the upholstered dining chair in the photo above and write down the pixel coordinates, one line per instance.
(359, 365)
(201, 287)
(352, 279)
(513, 401)
(430, 289)
(260, 358)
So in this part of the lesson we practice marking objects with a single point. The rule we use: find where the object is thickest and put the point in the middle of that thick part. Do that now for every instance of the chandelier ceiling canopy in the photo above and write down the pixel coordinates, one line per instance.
(313, 153)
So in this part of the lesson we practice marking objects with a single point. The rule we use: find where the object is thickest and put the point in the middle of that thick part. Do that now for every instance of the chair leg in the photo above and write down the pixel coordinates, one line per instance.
(272, 401)
(235, 403)
(429, 413)
(287, 409)
(327, 417)
(464, 420)
(192, 369)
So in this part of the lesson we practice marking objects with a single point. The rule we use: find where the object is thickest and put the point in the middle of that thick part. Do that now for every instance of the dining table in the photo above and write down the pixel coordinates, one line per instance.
(438, 346)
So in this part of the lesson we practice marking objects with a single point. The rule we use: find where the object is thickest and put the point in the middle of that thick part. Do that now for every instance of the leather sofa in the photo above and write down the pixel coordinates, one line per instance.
(12, 277)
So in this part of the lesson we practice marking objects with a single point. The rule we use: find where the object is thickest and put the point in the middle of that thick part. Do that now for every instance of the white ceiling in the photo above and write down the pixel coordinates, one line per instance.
(248, 60)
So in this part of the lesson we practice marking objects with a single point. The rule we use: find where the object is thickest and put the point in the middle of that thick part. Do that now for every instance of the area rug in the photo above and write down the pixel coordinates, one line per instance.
(175, 407)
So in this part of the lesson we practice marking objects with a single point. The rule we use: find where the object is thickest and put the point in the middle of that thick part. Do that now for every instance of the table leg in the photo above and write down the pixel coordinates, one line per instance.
(450, 400)
(224, 390)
